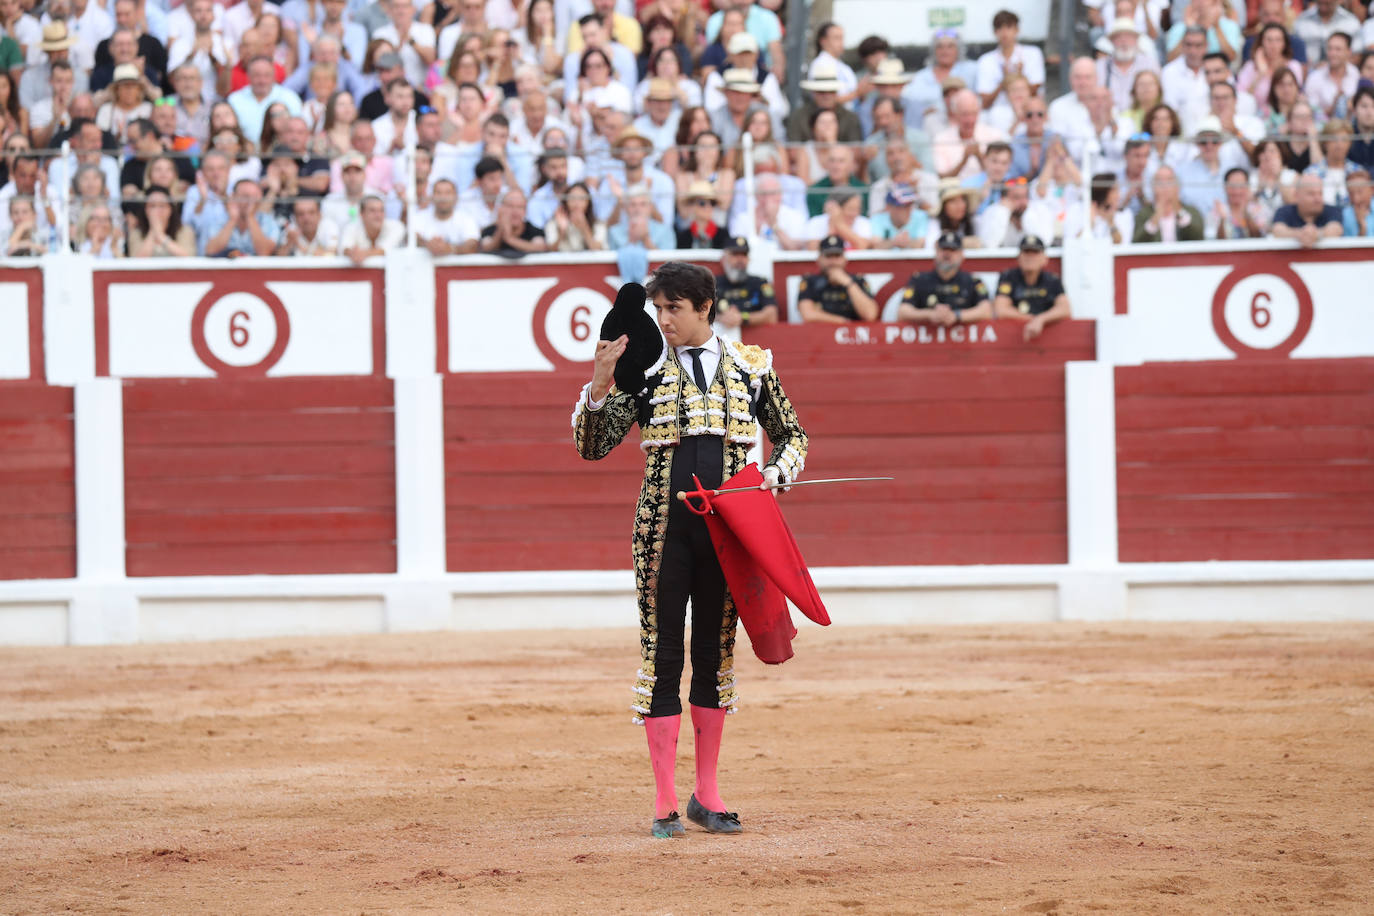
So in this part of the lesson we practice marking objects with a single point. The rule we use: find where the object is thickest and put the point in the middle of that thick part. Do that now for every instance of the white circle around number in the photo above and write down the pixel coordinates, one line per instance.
(573, 323)
(1262, 311)
(240, 329)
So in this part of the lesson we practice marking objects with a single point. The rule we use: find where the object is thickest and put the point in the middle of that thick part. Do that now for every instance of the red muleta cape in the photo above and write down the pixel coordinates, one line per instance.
(762, 564)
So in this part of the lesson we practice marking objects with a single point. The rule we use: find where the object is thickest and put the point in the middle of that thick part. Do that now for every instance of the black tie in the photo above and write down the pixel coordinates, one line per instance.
(698, 372)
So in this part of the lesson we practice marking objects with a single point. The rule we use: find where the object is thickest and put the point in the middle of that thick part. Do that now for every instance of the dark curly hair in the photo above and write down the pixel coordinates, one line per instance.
(680, 280)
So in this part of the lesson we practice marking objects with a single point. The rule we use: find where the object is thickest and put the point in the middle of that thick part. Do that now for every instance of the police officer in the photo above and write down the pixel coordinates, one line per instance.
(947, 295)
(834, 295)
(1030, 293)
(741, 298)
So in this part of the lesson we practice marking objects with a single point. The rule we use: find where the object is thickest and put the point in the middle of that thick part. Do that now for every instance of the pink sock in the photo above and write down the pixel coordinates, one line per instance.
(662, 732)
(708, 725)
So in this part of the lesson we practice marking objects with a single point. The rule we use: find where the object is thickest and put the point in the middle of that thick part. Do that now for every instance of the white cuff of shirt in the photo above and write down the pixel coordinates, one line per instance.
(595, 405)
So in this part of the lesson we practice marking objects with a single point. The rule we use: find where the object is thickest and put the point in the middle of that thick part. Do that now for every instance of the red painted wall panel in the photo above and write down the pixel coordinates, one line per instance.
(275, 476)
(977, 450)
(1246, 461)
(37, 482)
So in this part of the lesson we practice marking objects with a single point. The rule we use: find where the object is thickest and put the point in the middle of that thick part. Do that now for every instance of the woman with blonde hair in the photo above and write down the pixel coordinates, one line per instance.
(574, 226)
(99, 235)
(1147, 92)
(162, 172)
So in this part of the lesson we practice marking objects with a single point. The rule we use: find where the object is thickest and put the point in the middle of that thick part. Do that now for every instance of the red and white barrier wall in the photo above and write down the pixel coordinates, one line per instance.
(206, 450)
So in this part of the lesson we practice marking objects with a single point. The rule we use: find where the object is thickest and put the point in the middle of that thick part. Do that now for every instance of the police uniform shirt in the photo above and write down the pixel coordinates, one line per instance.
(751, 294)
(1028, 299)
(961, 291)
(831, 298)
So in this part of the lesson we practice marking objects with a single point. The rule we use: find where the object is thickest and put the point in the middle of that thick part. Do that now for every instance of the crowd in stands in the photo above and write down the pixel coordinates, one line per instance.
(196, 128)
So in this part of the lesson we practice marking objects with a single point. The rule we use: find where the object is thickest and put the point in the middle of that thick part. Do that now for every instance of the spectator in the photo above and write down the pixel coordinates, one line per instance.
(156, 231)
(471, 20)
(308, 234)
(1146, 92)
(1013, 217)
(1119, 71)
(1008, 59)
(833, 294)
(1241, 131)
(632, 149)
(1301, 148)
(741, 92)
(324, 72)
(1309, 219)
(206, 49)
(1316, 24)
(842, 217)
(761, 23)
(395, 130)
(250, 103)
(129, 43)
(702, 230)
(23, 236)
(247, 231)
(623, 29)
(839, 178)
(902, 168)
(1030, 293)
(901, 224)
(1274, 12)
(1221, 33)
(947, 295)
(1362, 111)
(481, 200)
(1333, 167)
(147, 145)
(623, 68)
(414, 41)
(716, 55)
(959, 148)
(1202, 177)
(1334, 82)
(1167, 218)
(389, 67)
(1132, 180)
(30, 181)
(553, 184)
(381, 168)
(192, 109)
(49, 114)
(639, 226)
(988, 183)
(954, 213)
(777, 225)
(1006, 117)
(660, 119)
(19, 25)
(1030, 144)
(13, 119)
(512, 236)
(1238, 216)
(86, 140)
(1107, 220)
(829, 64)
(1271, 184)
(98, 235)
(926, 91)
(537, 39)
(744, 55)
(1184, 79)
(742, 299)
(536, 120)
(889, 124)
(444, 229)
(333, 23)
(1167, 146)
(372, 234)
(824, 87)
(1273, 53)
(574, 227)
(127, 104)
(241, 17)
(1356, 218)
(88, 190)
(55, 48)
(1069, 115)
(342, 207)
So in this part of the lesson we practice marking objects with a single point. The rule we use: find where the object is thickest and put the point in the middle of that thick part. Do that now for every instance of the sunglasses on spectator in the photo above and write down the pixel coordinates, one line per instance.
(703, 202)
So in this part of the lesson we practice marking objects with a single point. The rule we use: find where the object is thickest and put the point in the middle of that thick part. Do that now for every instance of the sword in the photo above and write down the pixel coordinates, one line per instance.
(683, 494)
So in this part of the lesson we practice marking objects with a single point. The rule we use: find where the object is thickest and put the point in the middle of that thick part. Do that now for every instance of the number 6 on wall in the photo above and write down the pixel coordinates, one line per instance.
(240, 328)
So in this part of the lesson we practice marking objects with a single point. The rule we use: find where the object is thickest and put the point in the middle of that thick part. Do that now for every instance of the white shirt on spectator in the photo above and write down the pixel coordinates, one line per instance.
(238, 19)
(843, 72)
(1309, 28)
(183, 49)
(791, 221)
(415, 66)
(992, 68)
(1185, 90)
(474, 205)
(9, 190)
(26, 32)
(664, 136)
(457, 229)
(1322, 91)
(326, 240)
(818, 227)
(91, 28)
(995, 230)
(251, 110)
(393, 235)
(948, 148)
(626, 70)
(384, 127)
(1069, 118)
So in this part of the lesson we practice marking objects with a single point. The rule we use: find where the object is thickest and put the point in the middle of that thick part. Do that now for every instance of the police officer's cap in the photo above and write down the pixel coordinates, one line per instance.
(832, 244)
(1032, 243)
(738, 243)
(949, 241)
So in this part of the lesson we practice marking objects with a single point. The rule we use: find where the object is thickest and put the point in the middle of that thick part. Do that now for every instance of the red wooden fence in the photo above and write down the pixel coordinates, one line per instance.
(259, 476)
(37, 482)
(1246, 461)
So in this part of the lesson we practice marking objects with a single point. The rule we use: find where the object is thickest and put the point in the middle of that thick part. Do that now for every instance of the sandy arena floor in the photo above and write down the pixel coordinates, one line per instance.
(1045, 769)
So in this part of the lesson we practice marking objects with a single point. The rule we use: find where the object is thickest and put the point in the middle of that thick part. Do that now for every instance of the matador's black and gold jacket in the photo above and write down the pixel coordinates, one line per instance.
(745, 389)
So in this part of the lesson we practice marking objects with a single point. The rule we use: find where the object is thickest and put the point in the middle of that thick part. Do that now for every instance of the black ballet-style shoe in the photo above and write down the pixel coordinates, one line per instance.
(665, 828)
(712, 821)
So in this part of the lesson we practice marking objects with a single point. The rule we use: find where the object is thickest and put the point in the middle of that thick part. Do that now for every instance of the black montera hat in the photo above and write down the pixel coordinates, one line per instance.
(645, 349)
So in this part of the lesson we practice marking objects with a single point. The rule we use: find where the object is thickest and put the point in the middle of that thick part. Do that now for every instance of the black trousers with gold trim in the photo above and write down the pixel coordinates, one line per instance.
(689, 570)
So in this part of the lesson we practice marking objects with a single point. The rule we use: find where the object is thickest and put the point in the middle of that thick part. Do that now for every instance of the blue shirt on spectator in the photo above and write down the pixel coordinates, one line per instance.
(208, 222)
(1352, 227)
(916, 226)
(1200, 187)
(241, 240)
(661, 235)
(1228, 28)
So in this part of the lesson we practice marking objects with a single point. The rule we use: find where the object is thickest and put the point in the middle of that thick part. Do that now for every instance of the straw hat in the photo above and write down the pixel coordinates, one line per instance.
(740, 80)
(824, 78)
(126, 73)
(630, 135)
(951, 188)
(661, 90)
(701, 189)
(56, 37)
(890, 72)
(742, 43)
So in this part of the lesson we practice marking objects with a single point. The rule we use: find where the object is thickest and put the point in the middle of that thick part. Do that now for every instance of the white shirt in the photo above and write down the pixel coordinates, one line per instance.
(1185, 91)
(415, 66)
(994, 222)
(457, 229)
(1069, 118)
(384, 127)
(818, 227)
(843, 72)
(239, 19)
(393, 235)
(790, 220)
(992, 68)
(710, 362)
(326, 240)
(475, 207)
(1322, 91)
